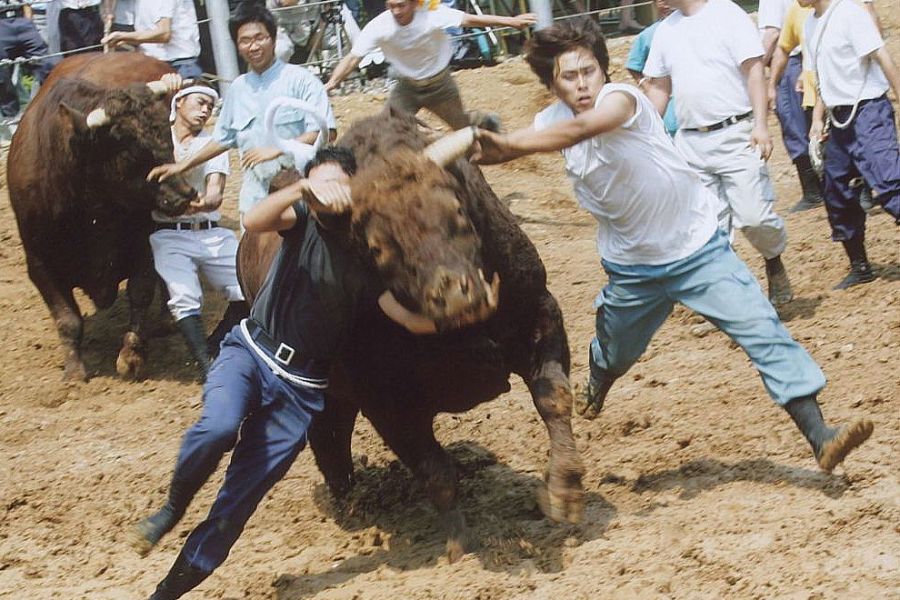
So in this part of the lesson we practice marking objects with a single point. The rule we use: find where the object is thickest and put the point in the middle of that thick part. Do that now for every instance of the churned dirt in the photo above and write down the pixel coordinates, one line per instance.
(697, 485)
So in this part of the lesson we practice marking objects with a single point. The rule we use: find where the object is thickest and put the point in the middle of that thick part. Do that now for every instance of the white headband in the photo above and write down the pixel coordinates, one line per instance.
(194, 89)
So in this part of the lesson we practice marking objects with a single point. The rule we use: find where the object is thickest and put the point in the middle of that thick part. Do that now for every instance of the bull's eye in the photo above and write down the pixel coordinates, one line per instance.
(376, 251)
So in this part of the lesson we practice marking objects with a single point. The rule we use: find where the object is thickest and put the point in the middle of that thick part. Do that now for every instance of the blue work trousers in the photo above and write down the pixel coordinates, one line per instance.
(866, 150)
(243, 402)
(789, 108)
(715, 283)
(19, 38)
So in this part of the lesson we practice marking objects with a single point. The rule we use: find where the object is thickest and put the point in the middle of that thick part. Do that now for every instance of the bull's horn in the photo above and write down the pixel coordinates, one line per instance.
(450, 147)
(97, 118)
(158, 88)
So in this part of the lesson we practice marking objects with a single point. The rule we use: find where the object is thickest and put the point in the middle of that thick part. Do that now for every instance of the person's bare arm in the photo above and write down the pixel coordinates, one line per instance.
(754, 74)
(420, 324)
(210, 150)
(613, 111)
(889, 67)
(161, 33)
(275, 212)
(659, 90)
(520, 22)
(344, 68)
(776, 72)
(769, 42)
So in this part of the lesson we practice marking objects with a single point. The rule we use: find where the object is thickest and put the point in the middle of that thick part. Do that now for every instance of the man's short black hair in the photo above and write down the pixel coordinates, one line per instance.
(251, 11)
(546, 45)
(333, 154)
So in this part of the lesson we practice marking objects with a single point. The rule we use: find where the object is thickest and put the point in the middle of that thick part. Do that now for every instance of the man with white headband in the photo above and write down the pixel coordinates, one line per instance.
(193, 243)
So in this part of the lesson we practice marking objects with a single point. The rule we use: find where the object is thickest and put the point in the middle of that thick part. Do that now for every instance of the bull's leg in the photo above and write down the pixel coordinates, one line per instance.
(66, 315)
(130, 362)
(411, 437)
(329, 438)
(552, 395)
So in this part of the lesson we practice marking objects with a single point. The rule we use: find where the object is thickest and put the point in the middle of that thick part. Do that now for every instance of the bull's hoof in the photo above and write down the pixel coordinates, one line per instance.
(564, 507)
(74, 371)
(130, 362)
(456, 549)
(835, 450)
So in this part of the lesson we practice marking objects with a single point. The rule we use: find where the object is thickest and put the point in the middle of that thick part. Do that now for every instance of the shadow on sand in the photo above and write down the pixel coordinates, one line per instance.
(508, 532)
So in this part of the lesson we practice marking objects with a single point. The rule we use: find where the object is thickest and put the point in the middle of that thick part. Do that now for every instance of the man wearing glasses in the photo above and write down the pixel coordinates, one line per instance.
(240, 124)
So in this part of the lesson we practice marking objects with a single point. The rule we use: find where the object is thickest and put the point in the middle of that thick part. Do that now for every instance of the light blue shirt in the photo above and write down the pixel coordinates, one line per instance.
(637, 58)
(240, 124)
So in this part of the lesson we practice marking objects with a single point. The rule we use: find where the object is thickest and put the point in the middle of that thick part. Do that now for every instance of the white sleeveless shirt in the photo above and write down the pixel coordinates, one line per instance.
(651, 207)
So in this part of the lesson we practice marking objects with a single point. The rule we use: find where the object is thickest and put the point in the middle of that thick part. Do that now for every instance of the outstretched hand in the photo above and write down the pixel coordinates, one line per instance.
(524, 20)
(163, 172)
(490, 148)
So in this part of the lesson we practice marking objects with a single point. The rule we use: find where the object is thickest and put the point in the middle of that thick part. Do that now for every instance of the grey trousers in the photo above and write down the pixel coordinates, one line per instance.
(439, 94)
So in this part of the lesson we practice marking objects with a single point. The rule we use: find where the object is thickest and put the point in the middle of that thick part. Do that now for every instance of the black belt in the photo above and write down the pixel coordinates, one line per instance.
(845, 108)
(187, 225)
(284, 354)
(721, 124)
(11, 14)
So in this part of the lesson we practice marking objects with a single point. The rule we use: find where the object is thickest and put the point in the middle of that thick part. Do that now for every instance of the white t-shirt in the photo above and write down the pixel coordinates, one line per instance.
(196, 177)
(771, 13)
(650, 205)
(838, 53)
(703, 54)
(78, 4)
(418, 50)
(185, 40)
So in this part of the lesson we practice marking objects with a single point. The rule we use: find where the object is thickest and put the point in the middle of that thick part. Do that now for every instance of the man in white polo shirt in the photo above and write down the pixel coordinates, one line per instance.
(167, 30)
(709, 54)
(193, 243)
(854, 71)
(414, 41)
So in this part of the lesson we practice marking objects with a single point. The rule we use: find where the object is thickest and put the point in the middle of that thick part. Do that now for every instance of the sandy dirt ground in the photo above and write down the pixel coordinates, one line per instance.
(697, 485)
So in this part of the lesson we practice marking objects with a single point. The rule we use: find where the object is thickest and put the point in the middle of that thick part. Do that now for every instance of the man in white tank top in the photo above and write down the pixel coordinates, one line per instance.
(657, 234)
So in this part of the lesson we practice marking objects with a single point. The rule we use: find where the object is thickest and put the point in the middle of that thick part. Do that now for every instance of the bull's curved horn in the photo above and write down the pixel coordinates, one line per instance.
(450, 147)
(158, 88)
(97, 118)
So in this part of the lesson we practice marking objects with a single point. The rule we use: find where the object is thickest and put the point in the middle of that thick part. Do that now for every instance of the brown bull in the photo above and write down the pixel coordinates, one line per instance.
(428, 231)
(76, 172)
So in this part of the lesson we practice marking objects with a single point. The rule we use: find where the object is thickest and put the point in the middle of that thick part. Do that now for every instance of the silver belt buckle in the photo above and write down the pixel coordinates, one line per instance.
(195, 225)
(284, 354)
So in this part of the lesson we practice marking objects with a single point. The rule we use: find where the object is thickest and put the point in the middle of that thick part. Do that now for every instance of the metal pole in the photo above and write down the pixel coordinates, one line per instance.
(223, 49)
(544, 11)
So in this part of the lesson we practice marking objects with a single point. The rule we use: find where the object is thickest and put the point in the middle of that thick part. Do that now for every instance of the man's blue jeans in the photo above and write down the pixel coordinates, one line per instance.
(715, 283)
(241, 396)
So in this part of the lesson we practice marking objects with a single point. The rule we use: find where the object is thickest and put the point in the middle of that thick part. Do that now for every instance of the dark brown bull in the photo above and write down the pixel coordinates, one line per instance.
(428, 230)
(76, 172)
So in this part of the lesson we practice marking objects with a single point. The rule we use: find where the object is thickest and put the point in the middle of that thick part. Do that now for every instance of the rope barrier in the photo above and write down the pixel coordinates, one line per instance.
(32, 59)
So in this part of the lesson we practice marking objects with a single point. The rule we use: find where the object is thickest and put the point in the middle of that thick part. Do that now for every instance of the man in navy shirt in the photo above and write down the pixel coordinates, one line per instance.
(271, 374)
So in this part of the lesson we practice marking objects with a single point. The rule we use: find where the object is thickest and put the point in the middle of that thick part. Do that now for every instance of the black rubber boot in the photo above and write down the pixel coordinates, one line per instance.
(830, 445)
(146, 534)
(809, 183)
(235, 312)
(780, 291)
(860, 269)
(195, 335)
(182, 578)
(597, 386)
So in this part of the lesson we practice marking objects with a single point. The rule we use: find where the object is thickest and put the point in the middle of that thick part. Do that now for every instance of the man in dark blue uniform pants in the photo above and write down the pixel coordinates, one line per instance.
(270, 377)
(19, 38)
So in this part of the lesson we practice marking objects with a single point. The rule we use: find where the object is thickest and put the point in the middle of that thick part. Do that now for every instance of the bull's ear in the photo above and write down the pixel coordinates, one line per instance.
(74, 117)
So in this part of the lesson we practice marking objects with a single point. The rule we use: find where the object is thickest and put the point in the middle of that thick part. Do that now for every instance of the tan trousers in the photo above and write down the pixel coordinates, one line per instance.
(439, 94)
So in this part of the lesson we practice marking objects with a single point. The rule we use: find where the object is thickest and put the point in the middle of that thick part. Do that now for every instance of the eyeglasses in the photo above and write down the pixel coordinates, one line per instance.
(259, 39)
